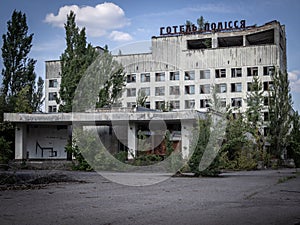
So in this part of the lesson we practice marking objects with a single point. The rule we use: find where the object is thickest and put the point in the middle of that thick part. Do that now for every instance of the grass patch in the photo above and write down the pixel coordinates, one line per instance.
(284, 179)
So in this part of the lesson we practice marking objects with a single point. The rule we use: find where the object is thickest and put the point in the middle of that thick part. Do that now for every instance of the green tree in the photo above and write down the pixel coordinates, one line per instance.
(141, 98)
(294, 140)
(280, 108)
(76, 58)
(201, 23)
(18, 71)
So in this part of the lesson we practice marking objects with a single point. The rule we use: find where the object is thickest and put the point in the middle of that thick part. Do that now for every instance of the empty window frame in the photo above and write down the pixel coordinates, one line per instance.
(159, 91)
(145, 77)
(146, 90)
(252, 71)
(236, 87)
(175, 104)
(199, 43)
(131, 78)
(221, 88)
(268, 85)
(189, 75)
(174, 90)
(131, 104)
(204, 74)
(131, 92)
(159, 105)
(230, 41)
(249, 86)
(147, 105)
(174, 75)
(204, 103)
(53, 83)
(236, 102)
(160, 76)
(220, 73)
(266, 101)
(223, 102)
(52, 96)
(189, 104)
(52, 108)
(269, 70)
(236, 72)
(205, 89)
(189, 89)
(266, 116)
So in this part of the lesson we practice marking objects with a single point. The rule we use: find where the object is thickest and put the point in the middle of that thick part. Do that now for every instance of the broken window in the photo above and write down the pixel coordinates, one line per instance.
(174, 90)
(266, 101)
(204, 103)
(236, 87)
(189, 75)
(159, 91)
(175, 104)
(236, 102)
(269, 70)
(230, 41)
(53, 83)
(252, 71)
(131, 92)
(249, 86)
(268, 85)
(221, 88)
(189, 104)
(236, 72)
(189, 89)
(160, 76)
(199, 43)
(131, 78)
(145, 77)
(159, 105)
(205, 89)
(52, 108)
(52, 96)
(223, 102)
(204, 74)
(266, 116)
(220, 73)
(174, 75)
(261, 38)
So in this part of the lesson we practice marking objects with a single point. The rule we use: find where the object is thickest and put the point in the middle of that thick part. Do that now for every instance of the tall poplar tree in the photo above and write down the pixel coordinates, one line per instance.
(76, 58)
(18, 72)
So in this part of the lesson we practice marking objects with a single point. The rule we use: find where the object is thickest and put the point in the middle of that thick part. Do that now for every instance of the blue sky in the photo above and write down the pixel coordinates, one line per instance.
(118, 23)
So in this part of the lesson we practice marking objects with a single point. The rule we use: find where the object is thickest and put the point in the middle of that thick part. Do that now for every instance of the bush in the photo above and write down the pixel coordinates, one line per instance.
(5, 150)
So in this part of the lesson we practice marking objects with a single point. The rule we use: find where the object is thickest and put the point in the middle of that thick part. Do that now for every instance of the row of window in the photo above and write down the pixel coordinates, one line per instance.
(204, 89)
(190, 104)
(204, 74)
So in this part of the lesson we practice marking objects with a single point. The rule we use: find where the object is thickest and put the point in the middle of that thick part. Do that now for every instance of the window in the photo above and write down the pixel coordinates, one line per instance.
(268, 70)
(146, 90)
(131, 104)
(199, 43)
(236, 87)
(159, 91)
(236, 102)
(175, 104)
(205, 89)
(189, 104)
(52, 108)
(204, 103)
(266, 101)
(252, 71)
(220, 73)
(174, 90)
(53, 83)
(266, 131)
(174, 75)
(131, 78)
(268, 85)
(189, 75)
(189, 89)
(160, 76)
(236, 72)
(52, 96)
(249, 86)
(131, 92)
(147, 105)
(145, 77)
(223, 102)
(266, 116)
(159, 105)
(204, 74)
(221, 88)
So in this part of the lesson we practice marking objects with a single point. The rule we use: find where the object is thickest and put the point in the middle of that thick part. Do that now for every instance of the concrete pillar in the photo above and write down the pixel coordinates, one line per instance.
(131, 144)
(214, 41)
(20, 141)
(186, 137)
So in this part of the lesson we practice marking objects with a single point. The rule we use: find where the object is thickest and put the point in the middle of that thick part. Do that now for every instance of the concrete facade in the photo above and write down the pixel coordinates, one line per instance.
(181, 70)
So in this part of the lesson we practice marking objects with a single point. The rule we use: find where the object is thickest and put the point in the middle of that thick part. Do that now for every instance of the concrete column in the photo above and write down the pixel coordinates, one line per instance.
(186, 137)
(131, 144)
(20, 141)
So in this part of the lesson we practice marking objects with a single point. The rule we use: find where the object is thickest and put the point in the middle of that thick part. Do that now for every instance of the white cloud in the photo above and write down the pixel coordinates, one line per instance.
(98, 20)
(120, 36)
(294, 77)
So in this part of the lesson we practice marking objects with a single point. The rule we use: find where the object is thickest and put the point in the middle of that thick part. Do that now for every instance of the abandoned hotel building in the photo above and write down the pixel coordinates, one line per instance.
(183, 66)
